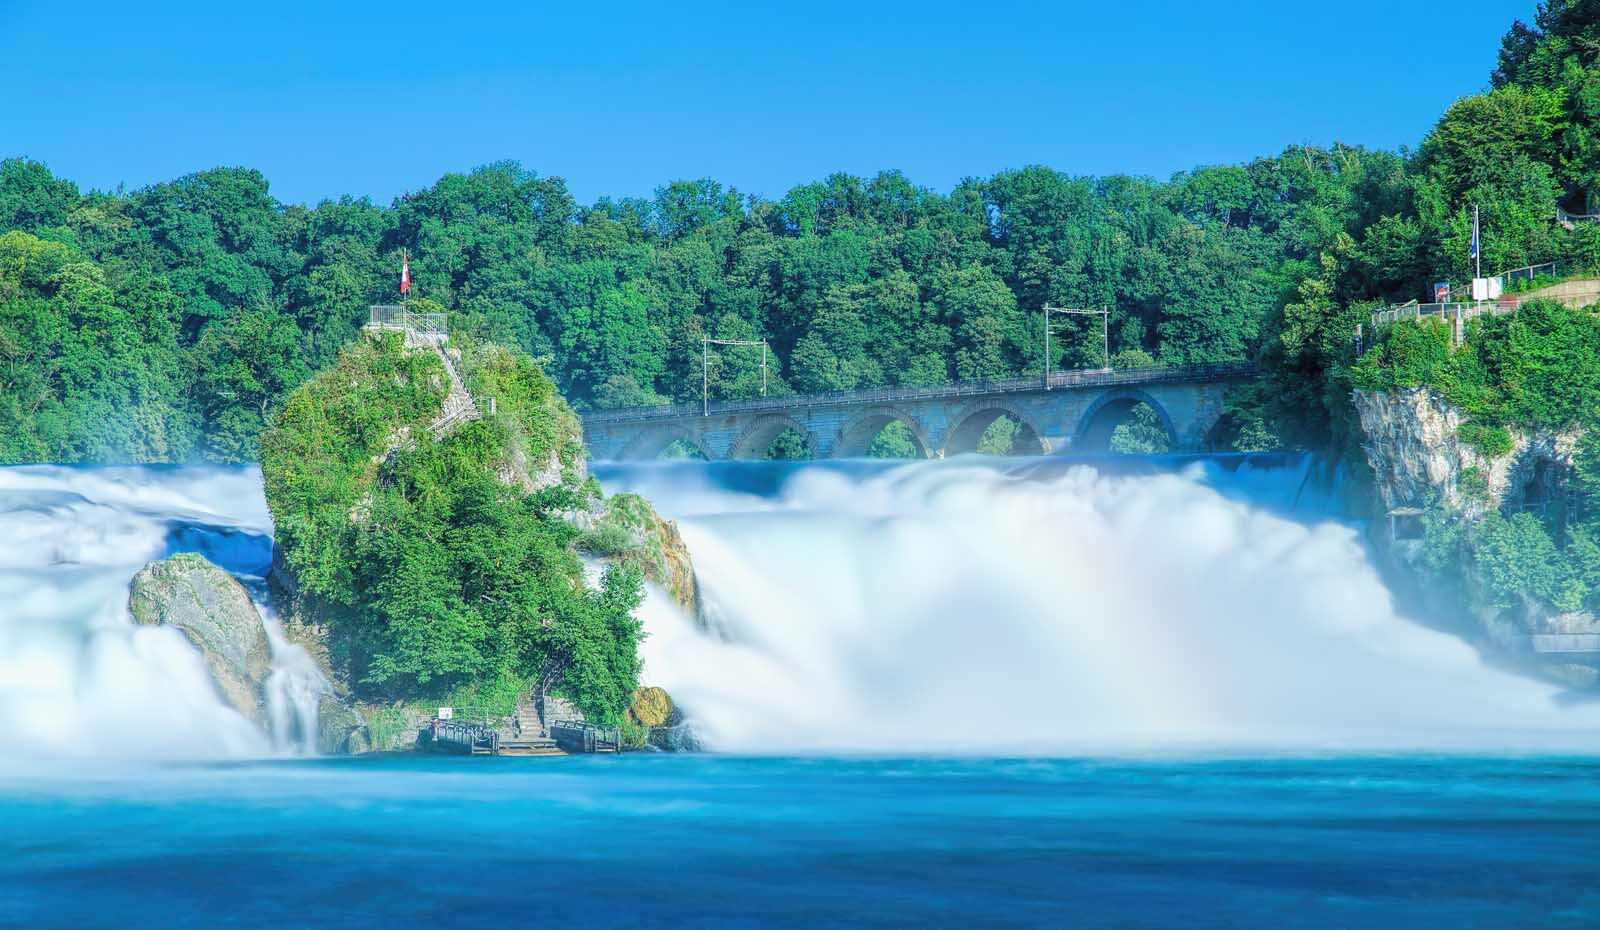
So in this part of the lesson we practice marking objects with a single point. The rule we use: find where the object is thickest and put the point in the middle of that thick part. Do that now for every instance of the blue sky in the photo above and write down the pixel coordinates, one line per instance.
(620, 97)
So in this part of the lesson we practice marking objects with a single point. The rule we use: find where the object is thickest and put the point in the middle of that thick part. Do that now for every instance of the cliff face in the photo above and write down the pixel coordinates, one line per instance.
(625, 528)
(1415, 452)
(1426, 475)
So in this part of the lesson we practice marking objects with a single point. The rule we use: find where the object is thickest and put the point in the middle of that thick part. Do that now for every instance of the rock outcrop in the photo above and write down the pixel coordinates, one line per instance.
(1422, 467)
(215, 613)
(1415, 451)
(354, 430)
(625, 528)
(651, 707)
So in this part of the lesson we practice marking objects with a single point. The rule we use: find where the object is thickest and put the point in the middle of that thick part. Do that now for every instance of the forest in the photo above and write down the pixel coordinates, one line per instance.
(168, 324)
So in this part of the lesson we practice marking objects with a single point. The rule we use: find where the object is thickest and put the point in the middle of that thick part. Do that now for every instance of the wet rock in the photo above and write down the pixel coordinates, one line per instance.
(215, 613)
(341, 730)
(680, 737)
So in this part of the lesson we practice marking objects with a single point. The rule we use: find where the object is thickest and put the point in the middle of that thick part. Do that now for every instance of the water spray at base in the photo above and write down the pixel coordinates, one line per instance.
(961, 606)
(78, 678)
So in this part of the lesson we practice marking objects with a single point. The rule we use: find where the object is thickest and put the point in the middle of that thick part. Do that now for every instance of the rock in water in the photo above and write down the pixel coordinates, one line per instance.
(651, 707)
(213, 610)
(341, 730)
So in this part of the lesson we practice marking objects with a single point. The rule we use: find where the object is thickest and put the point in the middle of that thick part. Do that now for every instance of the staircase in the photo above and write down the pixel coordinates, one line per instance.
(527, 723)
(459, 407)
(526, 735)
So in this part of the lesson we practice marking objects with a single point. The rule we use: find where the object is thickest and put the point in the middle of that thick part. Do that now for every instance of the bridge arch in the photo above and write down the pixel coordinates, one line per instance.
(968, 427)
(652, 442)
(857, 434)
(757, 438)
(1108, 411)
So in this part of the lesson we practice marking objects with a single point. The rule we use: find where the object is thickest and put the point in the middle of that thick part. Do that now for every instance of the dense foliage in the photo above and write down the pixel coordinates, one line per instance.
(205, 299)
(441, 568)
(1538, 369)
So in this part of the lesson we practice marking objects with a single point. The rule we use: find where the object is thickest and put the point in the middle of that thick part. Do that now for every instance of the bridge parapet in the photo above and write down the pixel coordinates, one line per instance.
(1219, 371)
(1076, 409)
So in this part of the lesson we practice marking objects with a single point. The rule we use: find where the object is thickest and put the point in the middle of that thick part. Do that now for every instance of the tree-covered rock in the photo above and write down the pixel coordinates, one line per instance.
(444, 567)
(1496, 442)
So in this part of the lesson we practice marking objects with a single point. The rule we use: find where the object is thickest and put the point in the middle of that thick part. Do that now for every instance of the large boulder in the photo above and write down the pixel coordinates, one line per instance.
(215, 613)
(651, 707)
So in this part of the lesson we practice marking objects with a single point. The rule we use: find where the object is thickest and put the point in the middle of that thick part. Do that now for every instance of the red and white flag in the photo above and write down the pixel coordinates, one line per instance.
(405, 272)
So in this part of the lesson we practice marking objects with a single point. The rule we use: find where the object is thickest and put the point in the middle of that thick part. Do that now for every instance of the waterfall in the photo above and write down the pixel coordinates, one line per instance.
(1024, 605)
(77, 677)
(1004, 606)
(294, 690)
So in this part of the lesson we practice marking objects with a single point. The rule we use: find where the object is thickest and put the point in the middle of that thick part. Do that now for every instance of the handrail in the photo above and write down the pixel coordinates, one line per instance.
(1466, 310)
(1059, 379)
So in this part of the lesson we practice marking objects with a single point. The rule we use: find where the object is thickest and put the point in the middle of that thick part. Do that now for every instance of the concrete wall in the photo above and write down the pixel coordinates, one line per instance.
(1059, 419)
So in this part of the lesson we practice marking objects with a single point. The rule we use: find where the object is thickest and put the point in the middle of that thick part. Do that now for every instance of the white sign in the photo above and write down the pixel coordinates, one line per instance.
(445, 713)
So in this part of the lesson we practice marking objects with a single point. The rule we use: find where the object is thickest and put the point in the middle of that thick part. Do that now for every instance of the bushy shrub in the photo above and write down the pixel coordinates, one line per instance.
(1492, 441)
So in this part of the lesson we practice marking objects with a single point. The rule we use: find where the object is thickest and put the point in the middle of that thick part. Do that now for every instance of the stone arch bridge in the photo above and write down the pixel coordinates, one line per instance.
(1078, 411)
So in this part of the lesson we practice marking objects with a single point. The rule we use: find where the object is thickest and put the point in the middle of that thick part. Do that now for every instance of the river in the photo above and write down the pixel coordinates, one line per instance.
(966, 693)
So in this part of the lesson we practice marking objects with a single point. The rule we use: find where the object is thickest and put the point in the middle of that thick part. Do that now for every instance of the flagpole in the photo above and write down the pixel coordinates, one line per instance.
(1477, 245)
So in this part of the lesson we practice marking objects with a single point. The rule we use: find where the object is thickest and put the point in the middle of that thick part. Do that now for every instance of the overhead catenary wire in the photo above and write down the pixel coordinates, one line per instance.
(706, 342)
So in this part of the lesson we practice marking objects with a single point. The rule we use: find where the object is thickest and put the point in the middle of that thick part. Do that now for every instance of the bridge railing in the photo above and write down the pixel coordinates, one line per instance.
(889, 395)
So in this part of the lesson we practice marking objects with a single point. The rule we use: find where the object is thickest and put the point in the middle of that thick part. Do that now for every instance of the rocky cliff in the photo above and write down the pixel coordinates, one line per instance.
(1437, 493)
(625, 528)
(1414, 447)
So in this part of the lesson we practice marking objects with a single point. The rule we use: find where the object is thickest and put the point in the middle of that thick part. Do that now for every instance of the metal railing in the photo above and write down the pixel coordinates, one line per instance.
(1563, 216)
(1530, 272)
(394, 316)
(1460, 312)
(1411, 310)
(465, 737)
(582, 736)
(1214, 371)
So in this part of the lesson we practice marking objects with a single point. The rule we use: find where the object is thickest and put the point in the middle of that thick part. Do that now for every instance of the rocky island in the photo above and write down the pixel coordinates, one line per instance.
(435, 520)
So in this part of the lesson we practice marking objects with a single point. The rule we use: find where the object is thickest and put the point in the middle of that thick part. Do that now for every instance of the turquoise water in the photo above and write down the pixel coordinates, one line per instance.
(715, 841)
(1228, 723)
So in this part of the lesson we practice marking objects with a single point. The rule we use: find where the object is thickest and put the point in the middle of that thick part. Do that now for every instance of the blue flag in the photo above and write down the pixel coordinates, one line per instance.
(1474, 237)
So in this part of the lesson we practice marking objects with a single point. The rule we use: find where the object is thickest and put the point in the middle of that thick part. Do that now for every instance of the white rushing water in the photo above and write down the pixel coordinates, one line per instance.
(964, 606)
(77, 677)
(961, 606)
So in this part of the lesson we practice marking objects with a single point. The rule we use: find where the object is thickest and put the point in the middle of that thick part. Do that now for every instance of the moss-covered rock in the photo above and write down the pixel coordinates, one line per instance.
(214, 612)
(543, 444)
(625, 528)
(651, 707)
